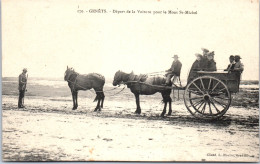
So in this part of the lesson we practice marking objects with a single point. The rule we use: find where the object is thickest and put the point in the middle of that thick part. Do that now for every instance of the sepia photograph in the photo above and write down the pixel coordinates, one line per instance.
(133, 80)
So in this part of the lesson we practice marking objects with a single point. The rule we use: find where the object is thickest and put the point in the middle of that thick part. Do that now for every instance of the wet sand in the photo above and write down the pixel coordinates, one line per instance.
(47, 129)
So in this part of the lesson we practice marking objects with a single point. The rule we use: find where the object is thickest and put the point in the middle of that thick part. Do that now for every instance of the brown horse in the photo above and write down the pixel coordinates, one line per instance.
(78, 82)
(146, 87)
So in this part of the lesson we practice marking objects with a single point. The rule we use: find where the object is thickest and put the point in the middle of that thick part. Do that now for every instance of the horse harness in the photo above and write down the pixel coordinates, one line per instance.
(74, 83)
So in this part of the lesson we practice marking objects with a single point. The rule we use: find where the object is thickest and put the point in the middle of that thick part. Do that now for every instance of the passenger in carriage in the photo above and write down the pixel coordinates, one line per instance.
(232, 63)
(210, 64)
(238, 66)
(205, 52)
(204, 59)
(197, 65)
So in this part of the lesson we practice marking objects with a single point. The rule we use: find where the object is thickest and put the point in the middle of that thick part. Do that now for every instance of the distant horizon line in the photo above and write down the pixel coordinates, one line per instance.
(105, 77)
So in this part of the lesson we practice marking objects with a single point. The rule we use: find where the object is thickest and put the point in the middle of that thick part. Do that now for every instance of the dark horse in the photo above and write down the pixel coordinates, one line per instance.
(78, 82)
(147, 88)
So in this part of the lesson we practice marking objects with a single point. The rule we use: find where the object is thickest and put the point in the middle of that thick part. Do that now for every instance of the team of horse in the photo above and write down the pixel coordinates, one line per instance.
(77, 82)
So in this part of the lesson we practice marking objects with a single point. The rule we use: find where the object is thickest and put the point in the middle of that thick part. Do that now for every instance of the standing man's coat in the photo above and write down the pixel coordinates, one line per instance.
(22, 81)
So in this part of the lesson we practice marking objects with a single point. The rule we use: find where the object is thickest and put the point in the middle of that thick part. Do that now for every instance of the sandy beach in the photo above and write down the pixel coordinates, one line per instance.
(48, 130)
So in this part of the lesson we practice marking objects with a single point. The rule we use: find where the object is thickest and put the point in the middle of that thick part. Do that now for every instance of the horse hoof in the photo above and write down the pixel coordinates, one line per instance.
(169, 114)
(73, 108)
(162, 115)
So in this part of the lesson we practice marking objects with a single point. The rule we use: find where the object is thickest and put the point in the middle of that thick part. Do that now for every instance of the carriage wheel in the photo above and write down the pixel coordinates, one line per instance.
(207, 97)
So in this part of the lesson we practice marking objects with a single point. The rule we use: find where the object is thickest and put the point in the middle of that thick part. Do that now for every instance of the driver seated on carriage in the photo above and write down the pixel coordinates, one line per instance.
(174, 71)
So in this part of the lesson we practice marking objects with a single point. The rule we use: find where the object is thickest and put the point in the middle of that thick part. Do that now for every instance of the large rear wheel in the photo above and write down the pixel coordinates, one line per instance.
(207, 97)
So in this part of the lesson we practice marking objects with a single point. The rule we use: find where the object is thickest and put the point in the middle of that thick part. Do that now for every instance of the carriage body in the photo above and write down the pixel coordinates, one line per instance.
(231, 79)
(208, 94)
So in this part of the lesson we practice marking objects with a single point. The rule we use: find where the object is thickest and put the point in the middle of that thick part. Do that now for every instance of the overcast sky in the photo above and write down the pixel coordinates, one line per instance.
(46, 35)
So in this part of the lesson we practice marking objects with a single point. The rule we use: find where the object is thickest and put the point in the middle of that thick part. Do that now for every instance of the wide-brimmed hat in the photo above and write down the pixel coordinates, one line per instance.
(238, 56)
(198, 55)
(231, 56)
(175, 56)
(204, 50)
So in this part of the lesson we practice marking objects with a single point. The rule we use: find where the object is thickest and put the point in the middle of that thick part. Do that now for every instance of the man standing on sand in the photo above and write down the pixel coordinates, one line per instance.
(174, 70)
(22, 87)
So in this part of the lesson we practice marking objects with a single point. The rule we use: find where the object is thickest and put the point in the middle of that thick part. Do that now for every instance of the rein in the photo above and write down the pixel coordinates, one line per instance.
(158, 86)
(155, 73)
(119, 91)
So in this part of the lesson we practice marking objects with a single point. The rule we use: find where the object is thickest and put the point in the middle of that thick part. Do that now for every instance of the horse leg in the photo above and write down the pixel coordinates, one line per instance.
(103, 98)
(98, 103)
(76, 99)
(73, 99)
(170, 105)
(138, 108)
(165, 105)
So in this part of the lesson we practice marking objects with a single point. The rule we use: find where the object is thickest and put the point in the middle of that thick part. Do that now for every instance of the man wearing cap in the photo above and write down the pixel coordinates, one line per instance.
(174, 70)
(22, 87)
(232, 63)
(211, 64)
(238, 66)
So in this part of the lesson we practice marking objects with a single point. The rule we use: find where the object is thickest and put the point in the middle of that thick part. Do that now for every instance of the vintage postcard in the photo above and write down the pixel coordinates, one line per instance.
(133, 80)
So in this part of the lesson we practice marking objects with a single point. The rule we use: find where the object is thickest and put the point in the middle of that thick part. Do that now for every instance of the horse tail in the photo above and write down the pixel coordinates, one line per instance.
(96, 98)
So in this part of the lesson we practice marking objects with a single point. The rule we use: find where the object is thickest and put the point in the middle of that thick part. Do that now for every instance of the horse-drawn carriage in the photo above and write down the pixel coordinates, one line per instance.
(207, 95)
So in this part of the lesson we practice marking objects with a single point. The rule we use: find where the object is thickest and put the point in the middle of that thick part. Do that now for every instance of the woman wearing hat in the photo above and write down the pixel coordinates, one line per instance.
(204, 59)
(197, 65)
(211, 64)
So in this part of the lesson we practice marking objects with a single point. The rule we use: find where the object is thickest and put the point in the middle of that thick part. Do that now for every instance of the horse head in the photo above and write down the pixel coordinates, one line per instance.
(68, 72)
(117, 78)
